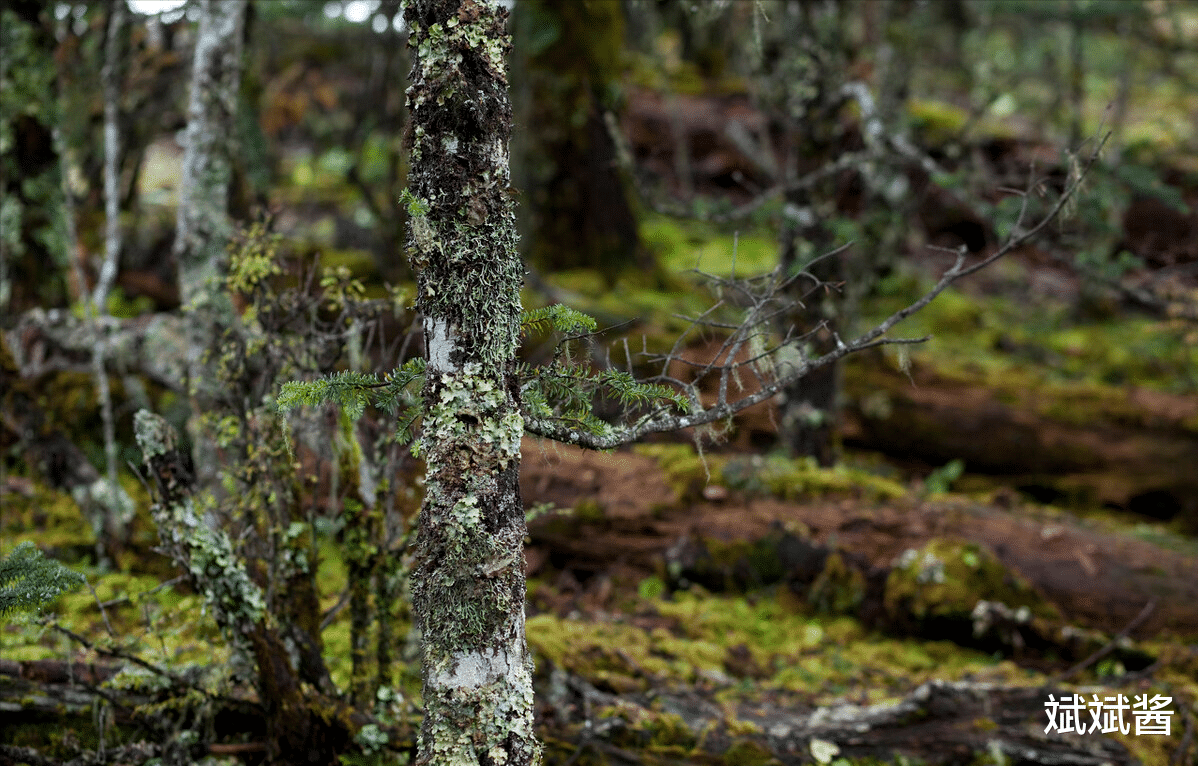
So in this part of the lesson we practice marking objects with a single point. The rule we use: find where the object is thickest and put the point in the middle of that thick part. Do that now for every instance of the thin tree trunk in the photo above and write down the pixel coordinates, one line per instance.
(807, 417)
(1077, 73)
(118, 507)
(203, 226)
(113, 76)
(468, 587)
(203, 222)
(303, 725)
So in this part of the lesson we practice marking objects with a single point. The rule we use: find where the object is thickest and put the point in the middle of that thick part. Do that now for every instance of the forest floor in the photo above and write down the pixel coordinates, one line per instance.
(658, 596)
(607, 613)
(1101, 578)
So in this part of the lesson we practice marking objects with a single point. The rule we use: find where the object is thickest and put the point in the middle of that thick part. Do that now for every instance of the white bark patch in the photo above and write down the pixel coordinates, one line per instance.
(441, 344)
(475, 670)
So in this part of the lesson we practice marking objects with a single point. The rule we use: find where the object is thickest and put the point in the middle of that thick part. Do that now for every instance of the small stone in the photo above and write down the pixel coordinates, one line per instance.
(715, 493)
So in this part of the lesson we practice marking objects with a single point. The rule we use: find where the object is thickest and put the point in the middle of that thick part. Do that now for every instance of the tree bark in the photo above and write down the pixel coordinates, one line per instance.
(302, 724)
(203, 220)
(203, 226)
(807, 412)
(468, 587)
(576, 205)
(118, 506)
(33, 248)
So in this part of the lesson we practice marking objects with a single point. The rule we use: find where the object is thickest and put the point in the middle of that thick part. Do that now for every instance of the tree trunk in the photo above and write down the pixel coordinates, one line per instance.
(807, 412)
(575, 200)
(468, 586)
(302, 724)
(203, 220)
(203, 227)
(118, 506)
(33, 248)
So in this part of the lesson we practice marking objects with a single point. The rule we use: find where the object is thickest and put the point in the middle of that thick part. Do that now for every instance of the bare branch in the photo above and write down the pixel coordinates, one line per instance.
(616, 435)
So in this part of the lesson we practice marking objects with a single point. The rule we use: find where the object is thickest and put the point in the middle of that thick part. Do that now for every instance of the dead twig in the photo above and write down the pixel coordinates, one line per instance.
(1110, 646)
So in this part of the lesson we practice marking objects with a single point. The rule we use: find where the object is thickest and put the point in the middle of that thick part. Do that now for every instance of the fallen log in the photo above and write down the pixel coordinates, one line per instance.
(939, 722)
(1128, 447)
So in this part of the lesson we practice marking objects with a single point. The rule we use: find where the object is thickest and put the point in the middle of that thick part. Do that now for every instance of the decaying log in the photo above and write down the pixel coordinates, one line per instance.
(56, 687)
(1134, 449)
(939, 722)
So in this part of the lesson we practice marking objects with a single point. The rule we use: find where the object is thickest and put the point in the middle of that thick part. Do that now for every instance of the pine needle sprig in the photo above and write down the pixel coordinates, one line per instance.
(29, 580)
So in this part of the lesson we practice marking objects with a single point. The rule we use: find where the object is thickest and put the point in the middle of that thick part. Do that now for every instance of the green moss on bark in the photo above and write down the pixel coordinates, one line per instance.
(468, 585)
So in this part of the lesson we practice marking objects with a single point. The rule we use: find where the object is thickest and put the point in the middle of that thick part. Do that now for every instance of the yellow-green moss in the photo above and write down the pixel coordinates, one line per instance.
(797, 478)
(161, 624)
(684, 245)
(947, 578)
(838, 589)
(824, 657)
(936, 121)
(998, 342)
(50, 518)
(777, 475)
(747, 752)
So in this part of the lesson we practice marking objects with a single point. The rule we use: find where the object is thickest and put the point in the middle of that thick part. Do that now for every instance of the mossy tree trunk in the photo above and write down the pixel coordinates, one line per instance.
(804, 83)
(303, 725)
(468, 586)
(267, 606)
(203, 227)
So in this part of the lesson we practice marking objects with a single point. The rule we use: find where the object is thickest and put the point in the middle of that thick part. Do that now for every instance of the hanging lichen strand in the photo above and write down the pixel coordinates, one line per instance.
(468, 585)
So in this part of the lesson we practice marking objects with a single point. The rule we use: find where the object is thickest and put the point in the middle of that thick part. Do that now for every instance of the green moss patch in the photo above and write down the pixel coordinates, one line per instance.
(774, 475)
(702, 638)
(945, 579)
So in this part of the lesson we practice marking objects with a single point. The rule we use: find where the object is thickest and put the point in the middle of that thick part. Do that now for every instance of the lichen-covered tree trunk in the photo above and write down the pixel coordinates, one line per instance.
(468, 586)
(203, 219)
(806, 88)
(203, 226)
(303, 725)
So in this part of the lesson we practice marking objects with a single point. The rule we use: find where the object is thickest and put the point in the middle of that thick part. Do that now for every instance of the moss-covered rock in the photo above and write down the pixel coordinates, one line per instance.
(942, 582)
(742, 565)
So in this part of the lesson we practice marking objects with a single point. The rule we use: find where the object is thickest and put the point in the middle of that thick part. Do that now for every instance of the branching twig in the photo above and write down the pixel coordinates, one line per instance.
(1110, 646)
(103, 611)
(118, 654)
(614, 436)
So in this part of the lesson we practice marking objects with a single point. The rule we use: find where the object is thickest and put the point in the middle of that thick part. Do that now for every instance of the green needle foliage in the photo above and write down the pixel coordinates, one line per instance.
(352, 391)
(29, 580)
(557, 318)
(563, 390)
